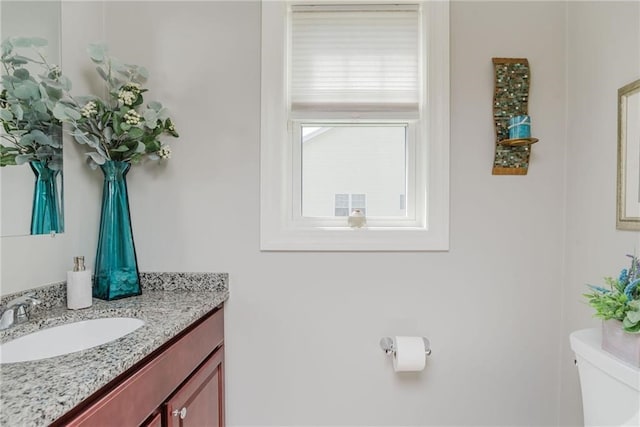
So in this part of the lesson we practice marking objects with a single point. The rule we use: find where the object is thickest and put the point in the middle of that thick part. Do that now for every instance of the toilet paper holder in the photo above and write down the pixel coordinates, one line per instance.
(389, 347)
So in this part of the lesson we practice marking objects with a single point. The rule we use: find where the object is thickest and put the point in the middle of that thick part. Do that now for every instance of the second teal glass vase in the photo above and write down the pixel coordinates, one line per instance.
(46, 210)
(116, 268)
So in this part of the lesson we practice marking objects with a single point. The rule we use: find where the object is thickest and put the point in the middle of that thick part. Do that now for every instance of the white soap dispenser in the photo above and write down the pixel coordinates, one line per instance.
(79, 287)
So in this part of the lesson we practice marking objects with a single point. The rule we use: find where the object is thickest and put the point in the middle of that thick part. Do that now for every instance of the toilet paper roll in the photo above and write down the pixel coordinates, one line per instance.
(409, 355)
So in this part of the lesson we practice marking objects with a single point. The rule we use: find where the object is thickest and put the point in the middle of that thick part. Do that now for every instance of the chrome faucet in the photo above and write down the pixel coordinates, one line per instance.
(16, 311)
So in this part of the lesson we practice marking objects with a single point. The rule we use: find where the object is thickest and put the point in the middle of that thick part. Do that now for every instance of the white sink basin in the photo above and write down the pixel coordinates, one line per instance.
(67, 338)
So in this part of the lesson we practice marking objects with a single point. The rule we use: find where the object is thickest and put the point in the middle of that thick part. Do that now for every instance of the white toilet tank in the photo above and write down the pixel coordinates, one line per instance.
(610, 387)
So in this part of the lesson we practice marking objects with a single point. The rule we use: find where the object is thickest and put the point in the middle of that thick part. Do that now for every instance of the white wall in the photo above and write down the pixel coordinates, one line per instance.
(603, 54)
(302, 329)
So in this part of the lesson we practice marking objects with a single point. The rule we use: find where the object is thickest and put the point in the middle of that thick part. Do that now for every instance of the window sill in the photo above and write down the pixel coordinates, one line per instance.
(356, 239)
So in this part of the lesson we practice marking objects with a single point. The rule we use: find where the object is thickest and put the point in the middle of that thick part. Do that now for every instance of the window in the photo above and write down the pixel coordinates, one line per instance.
(355, 115)
(346, 203)
(354, 160)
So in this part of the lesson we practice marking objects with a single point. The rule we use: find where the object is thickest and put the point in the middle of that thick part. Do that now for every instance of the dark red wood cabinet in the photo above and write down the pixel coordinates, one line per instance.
(180, 384)
(198, 402)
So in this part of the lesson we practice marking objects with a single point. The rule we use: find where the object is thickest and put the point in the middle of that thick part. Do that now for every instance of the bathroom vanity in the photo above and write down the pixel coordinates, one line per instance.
(181, 381)
(168, 372)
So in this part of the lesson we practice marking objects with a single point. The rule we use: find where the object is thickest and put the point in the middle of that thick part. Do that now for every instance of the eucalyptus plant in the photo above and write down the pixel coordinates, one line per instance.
(621, 301)
(119, 127)
(31, 87)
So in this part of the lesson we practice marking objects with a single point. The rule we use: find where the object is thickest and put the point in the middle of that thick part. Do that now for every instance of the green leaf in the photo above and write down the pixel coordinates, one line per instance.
(16, 60)
(17, 111)
(155, 105)
(7, 159)
(6, 47)
(72, 113)
(633, 316)
(23, 158)
(44, 152)
(120, 149)
(55, 164)
(4, 149)
(163, 114)
(153, 146)
(53, 93)
(107, 132)
(22, 73)
(630, 325)
(96, 157)
(39, 107)
(135, 133)
(102, 73)
(35, 138)
(170, 128)
(116, 125)
(97, 53)
(38, 42)
(608, 306)
(60, 112)
(5, 114)
(143, 72)
(27, 90)
(20, 60)
(85, 138)
(150, 118)
(141, 147)
(65, 82)
(18, 41)
(135, 158)
(139, 100)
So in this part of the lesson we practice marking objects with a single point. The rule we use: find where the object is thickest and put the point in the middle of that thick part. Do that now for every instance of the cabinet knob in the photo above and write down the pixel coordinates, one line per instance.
(182, 413)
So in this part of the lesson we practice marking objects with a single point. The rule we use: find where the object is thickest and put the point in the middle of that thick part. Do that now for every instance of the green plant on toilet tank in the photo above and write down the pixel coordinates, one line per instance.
(118, 130)
(621, 299)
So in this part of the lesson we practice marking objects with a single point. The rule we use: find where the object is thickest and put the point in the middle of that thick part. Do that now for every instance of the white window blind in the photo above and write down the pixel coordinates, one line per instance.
(355, 58)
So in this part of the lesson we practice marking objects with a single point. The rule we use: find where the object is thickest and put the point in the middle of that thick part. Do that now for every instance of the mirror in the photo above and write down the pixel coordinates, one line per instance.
(31, 191)
(628, 206)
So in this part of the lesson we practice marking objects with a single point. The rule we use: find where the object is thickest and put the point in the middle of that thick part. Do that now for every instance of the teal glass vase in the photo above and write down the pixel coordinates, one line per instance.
(46, 210)
(116, 268)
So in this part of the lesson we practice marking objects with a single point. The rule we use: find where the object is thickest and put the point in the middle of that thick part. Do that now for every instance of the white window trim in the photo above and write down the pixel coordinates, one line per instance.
(278, 230)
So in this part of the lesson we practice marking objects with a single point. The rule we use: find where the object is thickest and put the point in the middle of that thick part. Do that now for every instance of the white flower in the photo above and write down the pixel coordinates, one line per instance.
(127, 97)
(132, 117)
(89, 109)
(55, 71)
(164, 152)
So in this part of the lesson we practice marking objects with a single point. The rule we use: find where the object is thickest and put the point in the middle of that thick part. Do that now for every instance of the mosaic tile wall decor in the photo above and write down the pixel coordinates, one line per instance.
(511, 96)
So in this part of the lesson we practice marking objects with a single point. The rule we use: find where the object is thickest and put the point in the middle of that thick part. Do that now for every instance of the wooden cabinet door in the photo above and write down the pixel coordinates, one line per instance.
(200, 401)
(154, 420)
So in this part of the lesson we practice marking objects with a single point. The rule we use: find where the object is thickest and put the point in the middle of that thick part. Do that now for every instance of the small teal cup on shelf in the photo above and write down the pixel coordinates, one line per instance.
(520, 127)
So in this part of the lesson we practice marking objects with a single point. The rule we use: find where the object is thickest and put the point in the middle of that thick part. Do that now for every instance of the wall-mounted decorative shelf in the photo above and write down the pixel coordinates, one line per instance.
(518, 142)
(511, 96)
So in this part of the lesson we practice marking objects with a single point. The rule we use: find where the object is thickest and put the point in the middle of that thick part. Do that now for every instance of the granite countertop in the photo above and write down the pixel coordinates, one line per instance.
(37, 393)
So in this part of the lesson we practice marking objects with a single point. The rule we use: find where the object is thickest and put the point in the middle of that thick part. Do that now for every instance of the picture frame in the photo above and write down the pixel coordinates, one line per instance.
(628, 182)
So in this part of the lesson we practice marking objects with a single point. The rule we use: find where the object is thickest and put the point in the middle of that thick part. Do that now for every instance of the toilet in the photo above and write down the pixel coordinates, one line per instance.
(610, 387)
